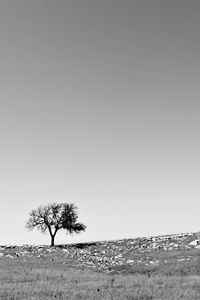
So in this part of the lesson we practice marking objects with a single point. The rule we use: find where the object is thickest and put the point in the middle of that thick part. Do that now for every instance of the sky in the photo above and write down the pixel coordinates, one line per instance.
(99, 106)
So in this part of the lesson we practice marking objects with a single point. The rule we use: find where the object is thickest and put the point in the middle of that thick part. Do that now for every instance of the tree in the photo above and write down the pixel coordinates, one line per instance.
(54, 217)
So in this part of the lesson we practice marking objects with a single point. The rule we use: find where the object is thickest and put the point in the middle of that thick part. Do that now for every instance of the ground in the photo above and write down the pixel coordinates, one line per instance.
(166, 267)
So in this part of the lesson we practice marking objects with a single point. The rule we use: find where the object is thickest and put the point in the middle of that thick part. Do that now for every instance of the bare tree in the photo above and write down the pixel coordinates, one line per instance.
(54, 217)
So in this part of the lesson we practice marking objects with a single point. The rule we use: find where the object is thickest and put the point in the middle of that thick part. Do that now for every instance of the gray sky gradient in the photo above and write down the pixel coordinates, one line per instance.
(99, 106)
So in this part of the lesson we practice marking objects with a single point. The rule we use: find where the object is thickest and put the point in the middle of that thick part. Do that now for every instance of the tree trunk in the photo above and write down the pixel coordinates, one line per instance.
(52, 240)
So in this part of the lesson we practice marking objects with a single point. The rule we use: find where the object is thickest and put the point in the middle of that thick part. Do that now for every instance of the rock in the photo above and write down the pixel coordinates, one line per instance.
(194, 243)
(9, 256)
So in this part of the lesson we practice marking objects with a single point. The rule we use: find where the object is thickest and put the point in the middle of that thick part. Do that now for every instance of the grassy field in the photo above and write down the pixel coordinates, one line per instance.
(35, 280)
(70, 273)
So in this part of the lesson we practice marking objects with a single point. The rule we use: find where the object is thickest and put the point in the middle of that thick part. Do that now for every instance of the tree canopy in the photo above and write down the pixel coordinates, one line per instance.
(54, 217)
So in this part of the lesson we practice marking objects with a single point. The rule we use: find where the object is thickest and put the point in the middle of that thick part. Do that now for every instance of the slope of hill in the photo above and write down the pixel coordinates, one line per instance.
(159, 267)
(128, 255)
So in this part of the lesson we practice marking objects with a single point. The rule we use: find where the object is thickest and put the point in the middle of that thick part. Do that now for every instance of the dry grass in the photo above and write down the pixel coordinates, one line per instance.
(38, 279)
(162, 268)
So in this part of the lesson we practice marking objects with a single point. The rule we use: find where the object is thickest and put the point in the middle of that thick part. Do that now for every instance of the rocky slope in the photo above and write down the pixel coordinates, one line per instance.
(109, 255)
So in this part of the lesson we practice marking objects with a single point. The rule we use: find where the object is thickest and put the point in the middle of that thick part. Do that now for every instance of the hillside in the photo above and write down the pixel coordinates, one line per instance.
(159, 267)
(128, 255)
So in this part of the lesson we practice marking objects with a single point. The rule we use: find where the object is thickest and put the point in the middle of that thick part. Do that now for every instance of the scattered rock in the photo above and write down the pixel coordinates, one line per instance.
(107, 255)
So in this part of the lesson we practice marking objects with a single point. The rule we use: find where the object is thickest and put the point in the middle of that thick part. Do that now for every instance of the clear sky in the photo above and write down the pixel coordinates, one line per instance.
(99, 106)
